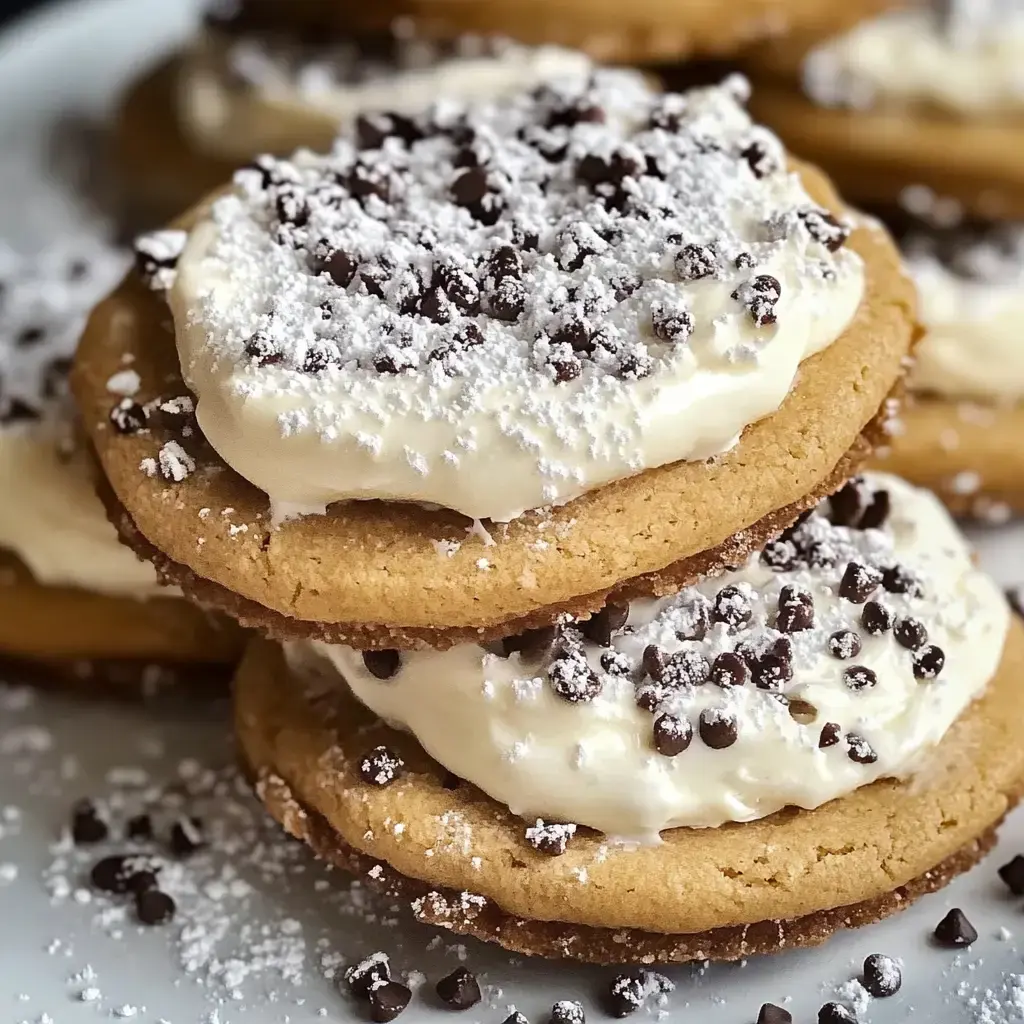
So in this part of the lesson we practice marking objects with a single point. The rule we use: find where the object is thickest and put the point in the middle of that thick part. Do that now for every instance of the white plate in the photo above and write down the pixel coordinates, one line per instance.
(262, 949)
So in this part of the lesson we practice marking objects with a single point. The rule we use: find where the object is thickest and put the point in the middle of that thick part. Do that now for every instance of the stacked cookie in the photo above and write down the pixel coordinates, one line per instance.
(921, 107)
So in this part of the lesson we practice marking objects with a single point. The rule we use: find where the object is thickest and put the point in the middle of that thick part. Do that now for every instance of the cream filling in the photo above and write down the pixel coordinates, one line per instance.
(52, 520)
(497, 723)
(902, 59)
(973, 347)
(279, 109)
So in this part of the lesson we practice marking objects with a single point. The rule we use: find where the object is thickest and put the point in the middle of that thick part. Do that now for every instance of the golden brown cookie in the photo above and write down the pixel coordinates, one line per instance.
(724, 893)
(968, 453)
(398, 587)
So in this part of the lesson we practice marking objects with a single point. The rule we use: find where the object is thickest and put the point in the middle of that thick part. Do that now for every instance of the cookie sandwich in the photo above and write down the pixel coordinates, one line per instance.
(960, 435)
(805, 743)
(76, 605)
(929, 95)
(270, 76)
(584, 344)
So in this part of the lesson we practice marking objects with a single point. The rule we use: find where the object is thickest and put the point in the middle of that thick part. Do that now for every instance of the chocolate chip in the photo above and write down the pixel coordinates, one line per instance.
(859, 582)
(380, 767)
(340, 266)
(823, 227)
(616, 663)
(672, 735)
(186, 836)
(365, 182)
(821, 555)
(686, 668)
(531, 643)
(572, 678)
(139, 827)
(898, 580)
(382, 664)
(1012, 873)
(261, 351)
(844, 644)
(829, 736)
(744, 261)
(292, 209)
(876, 618)
(729, 669)
(732, 606)
(568, 1011)
(877, 512)
(796, 610)
(598, 629)
(760, 295)
(153, 906)
(760, 161)
(626, 993)
(593, 169)
(772, 671)
(459, 990)
(388, 1001)
(653, 661)
(836, 1013)
(87, 824)
(779, 555)
(675, 326)
(368, 974)
(508, 300)
(857, 678)
(928, 661)
(772, 1014)
(955, 931)
(849, 503)
(318, 357)
(124, 873)
(910, 633)
(515, 1017)
(566, 368)
(695, 262)
(373, 129)
(550, 837)
(882, 976)
(471, 190)
(859, 750)
(718, 727)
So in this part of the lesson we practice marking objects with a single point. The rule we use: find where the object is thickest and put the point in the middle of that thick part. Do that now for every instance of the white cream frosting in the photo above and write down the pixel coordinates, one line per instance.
(497, 722)
(500, 435)
(974, 315)
(972, 68)
(249, 98)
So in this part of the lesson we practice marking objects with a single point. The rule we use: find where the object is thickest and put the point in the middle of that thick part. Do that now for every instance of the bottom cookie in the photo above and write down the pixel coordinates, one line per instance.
(969, 454)
(789, 880)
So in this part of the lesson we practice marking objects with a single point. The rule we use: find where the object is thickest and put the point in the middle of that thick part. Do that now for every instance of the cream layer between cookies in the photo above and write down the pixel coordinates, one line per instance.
(578, 732)
(534, 299)
(971, 65)
(240, 97)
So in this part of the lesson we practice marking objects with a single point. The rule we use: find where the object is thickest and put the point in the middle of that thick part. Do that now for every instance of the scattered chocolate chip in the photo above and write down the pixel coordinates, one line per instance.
(672, 735)
(572, 678)
(459, 990)
(844, 644)
(388, 1001)
(928, 661)
(124, 873)
(382, 664)
(128, 417)
(859, 750)
(910, 633)
(365, 182)
(653, 661)
(836, 1013)
(829, 736)
(772, 1014)
(508, 300)
(261, 351)
(318, 357)
(760, 295)
(882, 976)
(877, 512)
(772, 671)
(849, 503)
(898, 580)
(674, 326)
(732, 606)
(859, 582)
(139, 827)
(550, 837)
(729, 669)
(292, 209)
(686, 668)
(1012, 873)
(823, 227)
(626, 993)
(368, 974)
(566, 368)
(186, 836)
(532, 643)
(820, 554)
(616, 663)
(955, 931)
(515, 1017)
(876, 618)
(153, 906)
(380, 767)
(760, 161)
(340, 266)
(695, 262)
(719, 728)
(87, 824)
(857, 678)
(796, 610)
(598, 629)
(568, 1011)
(471, 190)
(779, 555)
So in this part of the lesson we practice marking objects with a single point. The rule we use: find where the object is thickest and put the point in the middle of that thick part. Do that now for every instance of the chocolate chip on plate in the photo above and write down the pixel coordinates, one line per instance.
(796, 610)
(154, 906)
(87, 824)
(1012, 873)
(459, 990)
(388, 1001)
(672, 735)
(882, 976)
(382, 664)
(380, 766)
(955, 931)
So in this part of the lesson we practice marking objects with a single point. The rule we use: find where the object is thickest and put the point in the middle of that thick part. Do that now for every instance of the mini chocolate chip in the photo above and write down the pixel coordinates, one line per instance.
(675, 326)
(823, 227)
(186, 836)
(732, 607)
(515, 1017)
(388, 1001)
(829, 736)
(259, 349)
(568, 1011)
(859, 582)
(821, 555)
(380, 766)
(364, 182)
(572, 678)
(876, 618)
(566, 368)
(598, 629)
(382, 664)
(124, 873)
(576, 335)
(368, 974)
(955, 931)
(470, 187)
(877, 513)
(858, 677)
(459, 990)
(849, 503)
(531, 643)
(508, 300)
(772, 1014)
(695, 262)
(626, 993)
(844, 644)
(772, 671)
(87, 824)
(760, 161)
(796, 610)
(928, 661)
(718, 727)
(550, 837)
(128, 417)
(318, 357)
(139, 827)
(882, 976)
(779, 555)
(653, 661)
(616, 663)
(292, 209)
(153, 906)
(836, 1013)
(910, 633)
(341, 267)
(1012, 873)
(729, 669)
(898, 580)
(760, 295)
(744, 261)
(672, 735)
(858, 749)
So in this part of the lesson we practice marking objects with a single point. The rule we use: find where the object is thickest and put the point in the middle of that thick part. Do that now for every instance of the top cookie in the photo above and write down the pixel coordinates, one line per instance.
(497, 309)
